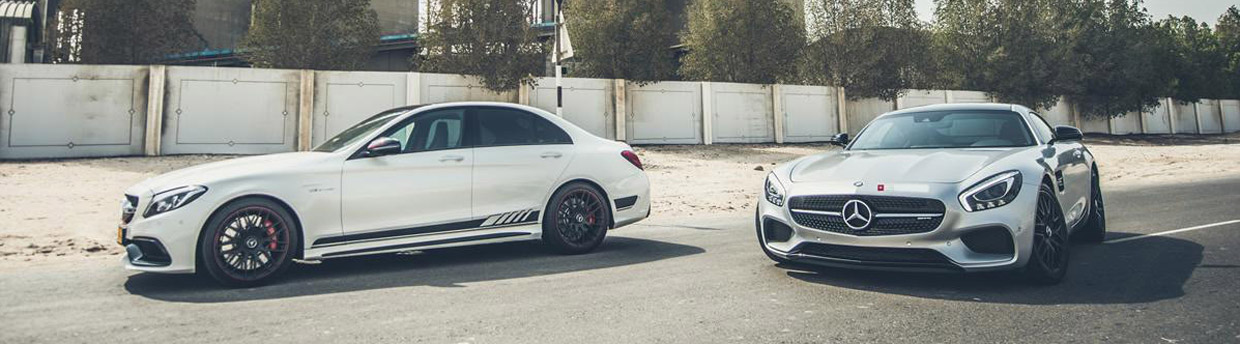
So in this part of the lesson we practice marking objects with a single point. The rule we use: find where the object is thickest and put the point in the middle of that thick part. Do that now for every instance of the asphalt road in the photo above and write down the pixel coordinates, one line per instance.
(672, 281)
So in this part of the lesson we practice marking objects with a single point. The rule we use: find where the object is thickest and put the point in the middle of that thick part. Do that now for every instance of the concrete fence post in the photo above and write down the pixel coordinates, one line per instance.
(1141, 119)
(1222, 122)
(1197, 115)
(777, 110)
(305, 111)
(1111, 125)
(948, 97)
(708, 112)
(1076, 116)
(155, 109)
(413, 88)
(523, 94)
(1172, 114)
(622, 112)
(841, 111)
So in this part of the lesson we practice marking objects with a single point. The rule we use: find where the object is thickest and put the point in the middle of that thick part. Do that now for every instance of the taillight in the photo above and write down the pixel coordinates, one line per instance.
(632, 158)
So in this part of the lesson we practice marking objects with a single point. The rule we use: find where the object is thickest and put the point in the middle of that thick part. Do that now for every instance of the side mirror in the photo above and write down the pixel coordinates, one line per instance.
(1067, 133)
(381, 146)
(840, 139)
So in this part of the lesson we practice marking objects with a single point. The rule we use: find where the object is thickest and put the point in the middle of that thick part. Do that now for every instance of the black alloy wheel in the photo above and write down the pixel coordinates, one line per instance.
(1048, 262)
(579, 217)
(248, 242)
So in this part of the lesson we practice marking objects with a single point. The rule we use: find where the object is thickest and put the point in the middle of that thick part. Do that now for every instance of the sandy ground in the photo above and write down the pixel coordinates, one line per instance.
(69, 208)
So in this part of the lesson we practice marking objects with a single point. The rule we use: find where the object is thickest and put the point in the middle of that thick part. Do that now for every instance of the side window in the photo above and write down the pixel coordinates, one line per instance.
(510, 127)
(430, 131)
(1044, 131)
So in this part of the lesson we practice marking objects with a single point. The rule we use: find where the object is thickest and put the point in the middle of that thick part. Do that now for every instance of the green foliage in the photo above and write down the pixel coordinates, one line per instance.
(1200, 64)
(1228, 32)
(874, 48)
(321, 34)
(750, 41)
(1114, 62)
(123, 31)
(488, 38)
(1007, 48)
(622, 39)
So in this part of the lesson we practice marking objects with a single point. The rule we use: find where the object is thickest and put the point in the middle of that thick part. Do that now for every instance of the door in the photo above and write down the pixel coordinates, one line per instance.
(427, 183)
(518, 158)
(1069, 163)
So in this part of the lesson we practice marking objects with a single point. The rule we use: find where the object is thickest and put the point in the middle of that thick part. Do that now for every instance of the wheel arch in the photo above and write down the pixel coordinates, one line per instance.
(611, 207)
(298, 253)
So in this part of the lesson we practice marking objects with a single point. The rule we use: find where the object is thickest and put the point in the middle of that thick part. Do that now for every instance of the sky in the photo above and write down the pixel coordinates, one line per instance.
(1202, 10)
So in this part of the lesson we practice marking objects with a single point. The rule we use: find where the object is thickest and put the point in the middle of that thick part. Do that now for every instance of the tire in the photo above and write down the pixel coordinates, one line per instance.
(757, 223)
(1048, 261)
(1095, 227)
(248, 242)
(576, 219)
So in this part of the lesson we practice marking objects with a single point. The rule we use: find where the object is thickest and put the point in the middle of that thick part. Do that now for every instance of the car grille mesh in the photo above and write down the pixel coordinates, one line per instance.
(879, 204)
(905, 256)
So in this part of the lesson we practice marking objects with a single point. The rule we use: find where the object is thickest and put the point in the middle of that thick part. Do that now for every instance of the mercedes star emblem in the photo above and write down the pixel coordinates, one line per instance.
(857, 215)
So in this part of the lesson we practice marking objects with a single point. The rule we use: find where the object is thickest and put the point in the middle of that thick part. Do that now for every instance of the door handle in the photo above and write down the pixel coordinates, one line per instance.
(556, 155)
(456, 158)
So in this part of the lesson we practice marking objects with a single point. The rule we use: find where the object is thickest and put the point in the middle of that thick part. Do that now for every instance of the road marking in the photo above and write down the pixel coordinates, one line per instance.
(1143, 236)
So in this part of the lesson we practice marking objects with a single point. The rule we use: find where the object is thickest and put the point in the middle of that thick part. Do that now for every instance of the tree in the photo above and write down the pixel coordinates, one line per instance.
(321, 34)
(1114, 62)
(622, 39)
(488, 38)
(123, 31)
(750, 41)
(1007, 48)
(873, 48)
(1228, 32)
(1200, 64)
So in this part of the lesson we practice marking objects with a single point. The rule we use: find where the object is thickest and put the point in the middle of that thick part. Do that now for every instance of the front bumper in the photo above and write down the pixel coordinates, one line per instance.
(165, 243)
(952, 246)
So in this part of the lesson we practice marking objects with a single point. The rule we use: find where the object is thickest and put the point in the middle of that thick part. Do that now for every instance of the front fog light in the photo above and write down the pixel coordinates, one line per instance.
(172, 199)
(993, 192)
(774, 190)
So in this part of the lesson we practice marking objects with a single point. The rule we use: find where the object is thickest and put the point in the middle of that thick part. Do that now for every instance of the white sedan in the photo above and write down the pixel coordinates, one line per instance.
(412, 178)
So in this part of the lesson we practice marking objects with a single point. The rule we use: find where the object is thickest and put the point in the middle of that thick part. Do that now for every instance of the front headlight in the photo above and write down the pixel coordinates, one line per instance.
(774, 190)
(172, 199)
(993, 192)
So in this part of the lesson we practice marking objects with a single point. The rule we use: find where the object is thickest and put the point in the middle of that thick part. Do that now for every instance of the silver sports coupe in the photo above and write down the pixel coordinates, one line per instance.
(976, 187)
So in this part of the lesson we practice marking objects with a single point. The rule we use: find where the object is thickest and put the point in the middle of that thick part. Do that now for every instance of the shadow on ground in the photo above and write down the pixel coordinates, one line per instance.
(449, 268)
(1146, 270)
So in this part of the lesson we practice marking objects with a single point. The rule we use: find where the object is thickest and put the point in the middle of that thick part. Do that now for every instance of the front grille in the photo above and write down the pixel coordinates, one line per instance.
(881, 224)
(922, 257)
(128, 208)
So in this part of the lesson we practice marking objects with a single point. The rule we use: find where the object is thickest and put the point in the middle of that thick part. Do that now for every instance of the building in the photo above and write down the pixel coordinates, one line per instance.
(22, 24)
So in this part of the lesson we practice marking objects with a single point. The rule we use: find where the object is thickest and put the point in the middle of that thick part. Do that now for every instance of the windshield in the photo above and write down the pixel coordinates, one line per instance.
(359, 131)
(945, 129)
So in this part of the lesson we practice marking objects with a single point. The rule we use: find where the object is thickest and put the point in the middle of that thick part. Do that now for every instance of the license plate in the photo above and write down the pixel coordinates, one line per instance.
(120, 235)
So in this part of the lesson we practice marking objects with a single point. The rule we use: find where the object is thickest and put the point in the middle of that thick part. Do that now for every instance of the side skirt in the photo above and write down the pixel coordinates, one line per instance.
(429, 244)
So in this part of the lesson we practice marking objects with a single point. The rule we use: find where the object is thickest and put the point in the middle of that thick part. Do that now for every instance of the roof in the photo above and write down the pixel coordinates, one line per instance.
(959, 107)
(20, 10)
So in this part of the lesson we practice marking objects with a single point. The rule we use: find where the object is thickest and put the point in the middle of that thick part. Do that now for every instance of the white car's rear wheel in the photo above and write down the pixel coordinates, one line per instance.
(576, 220)
(248, 242)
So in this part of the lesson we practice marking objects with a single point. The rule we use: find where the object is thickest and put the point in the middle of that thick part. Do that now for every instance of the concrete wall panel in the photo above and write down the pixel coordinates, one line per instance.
(1157, 120)
(1185, 119)
(588, 103)
(1211, 123)
(230, 110)
(1231, 115)
(1060, 114)
(810, 113)
(1095, 125)
(441, 88)
(862, 111)
(742, 113)
(915, 98)
(62, 111)
(969, 97)
(1128, 124)
(342, 99)
(664, 113)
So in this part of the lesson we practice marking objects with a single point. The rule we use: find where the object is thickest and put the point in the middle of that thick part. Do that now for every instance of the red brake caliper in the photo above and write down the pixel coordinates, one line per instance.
(271, 233)
(590, 219)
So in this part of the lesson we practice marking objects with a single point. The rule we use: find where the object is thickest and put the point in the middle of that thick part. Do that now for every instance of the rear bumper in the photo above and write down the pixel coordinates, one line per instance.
(630, 199)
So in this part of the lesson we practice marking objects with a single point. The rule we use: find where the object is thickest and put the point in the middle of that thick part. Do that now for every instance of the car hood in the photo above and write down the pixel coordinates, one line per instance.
(904, 165)
(207, 173)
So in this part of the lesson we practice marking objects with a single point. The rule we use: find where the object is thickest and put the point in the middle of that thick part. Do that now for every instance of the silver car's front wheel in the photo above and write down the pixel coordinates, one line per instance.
(1048, 261)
